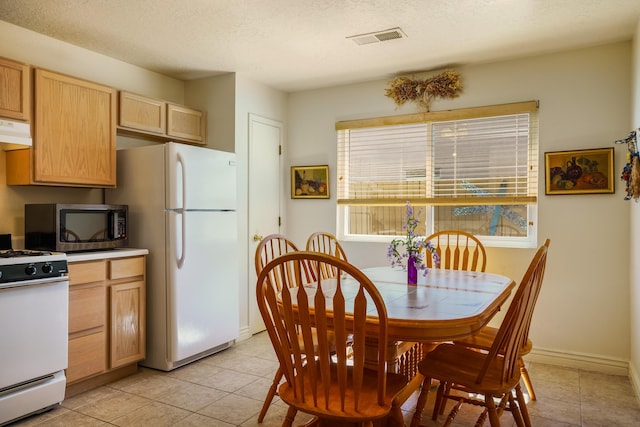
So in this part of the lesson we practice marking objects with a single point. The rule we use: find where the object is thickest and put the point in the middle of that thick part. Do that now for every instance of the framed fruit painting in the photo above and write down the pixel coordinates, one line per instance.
(579, 172)
(310, 182)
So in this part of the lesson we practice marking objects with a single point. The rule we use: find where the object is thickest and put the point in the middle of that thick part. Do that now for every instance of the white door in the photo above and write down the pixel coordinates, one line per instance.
(265, 183)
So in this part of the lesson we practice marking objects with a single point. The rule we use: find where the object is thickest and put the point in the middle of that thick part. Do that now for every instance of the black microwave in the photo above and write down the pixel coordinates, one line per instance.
(75, 227)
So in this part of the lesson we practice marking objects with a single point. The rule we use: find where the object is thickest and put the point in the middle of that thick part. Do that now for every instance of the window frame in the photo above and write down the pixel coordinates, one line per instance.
(531, 200)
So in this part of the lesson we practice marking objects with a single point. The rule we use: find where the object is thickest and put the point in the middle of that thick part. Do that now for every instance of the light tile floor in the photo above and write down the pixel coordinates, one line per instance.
(227, 389)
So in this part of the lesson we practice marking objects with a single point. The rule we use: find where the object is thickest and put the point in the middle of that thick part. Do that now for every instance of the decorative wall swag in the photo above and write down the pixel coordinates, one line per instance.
(631, 171)
(445, 85)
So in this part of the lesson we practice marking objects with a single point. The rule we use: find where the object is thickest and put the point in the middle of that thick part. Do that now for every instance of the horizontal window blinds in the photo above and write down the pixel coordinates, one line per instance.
(446, 162)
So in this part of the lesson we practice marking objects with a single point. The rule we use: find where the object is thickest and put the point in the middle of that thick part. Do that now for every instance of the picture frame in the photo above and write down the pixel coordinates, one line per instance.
(588, 171)
(310, 182)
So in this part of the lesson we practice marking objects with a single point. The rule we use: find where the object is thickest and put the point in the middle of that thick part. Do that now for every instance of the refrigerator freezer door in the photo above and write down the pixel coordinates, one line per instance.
(202, 281)
(199, 178)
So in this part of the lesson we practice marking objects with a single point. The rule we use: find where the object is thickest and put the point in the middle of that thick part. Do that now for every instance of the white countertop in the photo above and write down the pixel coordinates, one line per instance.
(114, 253)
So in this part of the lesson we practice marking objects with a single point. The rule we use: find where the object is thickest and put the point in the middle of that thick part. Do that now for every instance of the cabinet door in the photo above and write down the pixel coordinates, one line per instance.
(141, 113)
(127, 323)
(15, 96)
(186, 123)
(75, 131)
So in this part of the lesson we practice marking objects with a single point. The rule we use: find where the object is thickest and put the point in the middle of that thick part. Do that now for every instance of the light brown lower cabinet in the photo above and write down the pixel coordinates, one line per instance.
(106, 320)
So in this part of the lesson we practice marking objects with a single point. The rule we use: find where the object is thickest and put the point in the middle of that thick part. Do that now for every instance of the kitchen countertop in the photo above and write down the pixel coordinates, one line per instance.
(114, 253)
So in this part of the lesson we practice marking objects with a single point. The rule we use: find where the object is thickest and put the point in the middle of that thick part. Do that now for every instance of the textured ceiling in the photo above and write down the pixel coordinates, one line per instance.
(302, 44)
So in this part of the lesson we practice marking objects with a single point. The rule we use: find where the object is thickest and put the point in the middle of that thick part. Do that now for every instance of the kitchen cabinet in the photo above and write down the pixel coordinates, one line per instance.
(74, 140)
(106, 319)
(186, 123)
(127, 310)
(15, 96)
(160, 120)
(87, 320)
(142, 114)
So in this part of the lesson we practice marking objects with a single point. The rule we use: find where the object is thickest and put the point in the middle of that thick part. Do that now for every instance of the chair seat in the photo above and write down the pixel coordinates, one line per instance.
(483, 340)
(452, 363)
(368, 409)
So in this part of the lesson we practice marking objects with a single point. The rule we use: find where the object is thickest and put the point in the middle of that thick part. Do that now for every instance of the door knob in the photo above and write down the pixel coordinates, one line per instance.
(257, 237)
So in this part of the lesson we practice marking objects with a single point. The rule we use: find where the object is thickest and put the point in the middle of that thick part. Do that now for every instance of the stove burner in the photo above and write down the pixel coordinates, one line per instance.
(13, 253)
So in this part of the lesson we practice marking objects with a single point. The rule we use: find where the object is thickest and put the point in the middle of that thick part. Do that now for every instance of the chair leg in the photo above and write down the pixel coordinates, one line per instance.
(523, 406)
(515, 411)
(422, 401)
(494, 419)
(291, 414)
(272, 392)
(527, 380)
(438, 407)
(395, 418)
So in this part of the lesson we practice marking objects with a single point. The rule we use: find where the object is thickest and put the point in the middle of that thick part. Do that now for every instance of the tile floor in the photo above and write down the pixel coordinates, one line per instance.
(227, 389)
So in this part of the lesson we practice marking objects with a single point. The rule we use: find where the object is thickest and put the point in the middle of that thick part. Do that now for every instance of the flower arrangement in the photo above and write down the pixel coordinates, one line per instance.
(411, 247)
(445, 85)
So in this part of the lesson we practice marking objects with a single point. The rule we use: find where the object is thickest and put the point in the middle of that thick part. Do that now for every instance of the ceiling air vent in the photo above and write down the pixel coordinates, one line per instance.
(378, 36)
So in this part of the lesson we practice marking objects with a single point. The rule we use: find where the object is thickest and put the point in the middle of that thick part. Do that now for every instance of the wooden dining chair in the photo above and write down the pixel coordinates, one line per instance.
(326, 243)
(484, 340)
(270, 248)
(326, 384)
(458, 250)
(494, 374)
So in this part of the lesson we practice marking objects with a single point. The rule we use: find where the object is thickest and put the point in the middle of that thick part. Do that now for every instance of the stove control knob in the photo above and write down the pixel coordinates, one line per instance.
(30, 270)
(47, 268)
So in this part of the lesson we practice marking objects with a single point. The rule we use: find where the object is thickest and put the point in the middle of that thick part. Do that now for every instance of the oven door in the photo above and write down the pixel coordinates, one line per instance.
(34, 333)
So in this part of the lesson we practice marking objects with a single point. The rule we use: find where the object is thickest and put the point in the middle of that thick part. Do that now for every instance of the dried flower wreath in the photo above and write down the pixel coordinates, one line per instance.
(445, 85)
(631, 171)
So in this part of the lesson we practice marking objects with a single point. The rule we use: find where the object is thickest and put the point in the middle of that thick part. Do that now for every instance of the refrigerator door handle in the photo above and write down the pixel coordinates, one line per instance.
(181, 211)
(183, 238)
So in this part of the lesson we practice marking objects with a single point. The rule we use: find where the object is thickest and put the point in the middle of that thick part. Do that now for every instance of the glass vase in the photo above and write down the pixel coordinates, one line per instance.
(412, 271)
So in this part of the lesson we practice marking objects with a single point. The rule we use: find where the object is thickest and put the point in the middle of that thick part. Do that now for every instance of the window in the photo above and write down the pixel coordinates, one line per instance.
(474, 169)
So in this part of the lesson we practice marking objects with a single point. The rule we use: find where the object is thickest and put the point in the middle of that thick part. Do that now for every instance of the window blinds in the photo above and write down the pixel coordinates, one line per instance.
(456, 158)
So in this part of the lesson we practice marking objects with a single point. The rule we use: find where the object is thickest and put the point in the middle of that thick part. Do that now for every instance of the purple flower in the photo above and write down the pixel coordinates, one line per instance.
(413, 245)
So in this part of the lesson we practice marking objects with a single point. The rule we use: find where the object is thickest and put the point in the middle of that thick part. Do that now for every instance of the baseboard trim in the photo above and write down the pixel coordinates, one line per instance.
(634, 378)
(245, 334)
(588, 362)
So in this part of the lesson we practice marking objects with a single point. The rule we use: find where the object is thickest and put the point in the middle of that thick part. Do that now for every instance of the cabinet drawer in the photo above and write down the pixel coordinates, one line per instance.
(87, 307)
(87, 356)
(126, 267)
(87, 272)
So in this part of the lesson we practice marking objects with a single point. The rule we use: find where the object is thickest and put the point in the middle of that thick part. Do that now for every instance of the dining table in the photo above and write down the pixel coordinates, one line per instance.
(444, 305)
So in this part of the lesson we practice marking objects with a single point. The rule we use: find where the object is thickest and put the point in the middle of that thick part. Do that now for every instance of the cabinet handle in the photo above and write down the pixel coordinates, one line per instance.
(257, 237)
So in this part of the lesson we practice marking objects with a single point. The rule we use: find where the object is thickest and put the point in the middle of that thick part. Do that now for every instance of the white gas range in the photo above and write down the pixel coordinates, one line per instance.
(34, 306)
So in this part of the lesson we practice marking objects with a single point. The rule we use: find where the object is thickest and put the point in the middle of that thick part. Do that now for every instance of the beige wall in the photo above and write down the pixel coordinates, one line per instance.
(582, 317)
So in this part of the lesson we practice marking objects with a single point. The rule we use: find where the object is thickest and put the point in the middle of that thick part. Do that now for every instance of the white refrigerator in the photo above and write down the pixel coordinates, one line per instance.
(182, 202)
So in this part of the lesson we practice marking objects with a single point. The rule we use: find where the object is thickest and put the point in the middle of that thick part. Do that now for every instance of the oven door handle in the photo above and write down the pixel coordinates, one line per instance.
(33, 282)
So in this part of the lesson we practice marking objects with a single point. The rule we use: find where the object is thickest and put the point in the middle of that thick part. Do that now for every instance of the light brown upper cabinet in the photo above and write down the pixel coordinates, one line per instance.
(186, 123)
(74, 141)
(15, 95)
(142, 114)
(160, 120)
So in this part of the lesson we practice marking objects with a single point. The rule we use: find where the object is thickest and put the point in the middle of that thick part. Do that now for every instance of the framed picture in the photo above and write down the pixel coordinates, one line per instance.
(579, 172)
(310, 182)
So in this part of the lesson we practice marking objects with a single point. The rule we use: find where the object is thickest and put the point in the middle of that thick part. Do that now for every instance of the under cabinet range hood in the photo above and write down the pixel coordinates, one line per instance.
(14, 135)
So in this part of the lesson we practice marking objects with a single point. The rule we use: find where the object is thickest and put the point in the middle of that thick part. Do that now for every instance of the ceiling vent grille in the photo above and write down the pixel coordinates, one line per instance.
(378, 36)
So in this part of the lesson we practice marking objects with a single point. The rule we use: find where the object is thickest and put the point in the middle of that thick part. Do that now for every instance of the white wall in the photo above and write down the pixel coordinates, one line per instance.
(583, 311)
(634, 232)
